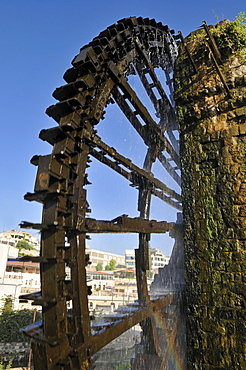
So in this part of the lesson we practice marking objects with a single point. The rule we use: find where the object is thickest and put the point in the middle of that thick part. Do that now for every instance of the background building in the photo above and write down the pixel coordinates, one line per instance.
(12, 237)
(110, 289)
(157, 259)
(17, 277)
(100, 280)
(7, 287)
(130, 258)
(104, 258)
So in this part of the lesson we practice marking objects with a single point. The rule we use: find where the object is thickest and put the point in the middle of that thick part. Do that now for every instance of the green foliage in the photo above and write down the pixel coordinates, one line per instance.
(12, 321)
(7, 367)
(240, 19)
(111, 266)
(99, 267)
(149, 274)
(8, 303)
(23, 244)
(230, 37)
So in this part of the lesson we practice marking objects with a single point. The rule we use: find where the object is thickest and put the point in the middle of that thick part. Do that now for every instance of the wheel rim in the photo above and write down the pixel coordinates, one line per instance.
(99, 74)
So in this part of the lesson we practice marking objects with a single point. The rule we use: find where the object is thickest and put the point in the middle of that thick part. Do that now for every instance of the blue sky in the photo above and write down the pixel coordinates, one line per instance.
(38, 40)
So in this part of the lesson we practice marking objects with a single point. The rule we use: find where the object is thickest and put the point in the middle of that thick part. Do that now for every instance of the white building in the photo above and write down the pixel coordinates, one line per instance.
(13, 288)
(17, 277)
(12, 237)
(130, 258)
(157, 259)
(104, 258)
(100, 280)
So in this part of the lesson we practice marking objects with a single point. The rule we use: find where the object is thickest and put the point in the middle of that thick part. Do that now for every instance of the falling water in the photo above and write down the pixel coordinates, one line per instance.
(170, 279)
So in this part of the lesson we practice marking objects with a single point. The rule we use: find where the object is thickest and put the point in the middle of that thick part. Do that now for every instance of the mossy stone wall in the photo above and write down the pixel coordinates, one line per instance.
(213, 155)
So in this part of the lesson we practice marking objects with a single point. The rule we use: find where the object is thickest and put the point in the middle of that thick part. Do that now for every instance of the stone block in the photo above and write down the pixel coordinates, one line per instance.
(242, 211)
(215, 357)
(239, 256)
(234, 130)
(242, 129)
(241, 233)
(234, 168)
(240, 112)
(227, 278)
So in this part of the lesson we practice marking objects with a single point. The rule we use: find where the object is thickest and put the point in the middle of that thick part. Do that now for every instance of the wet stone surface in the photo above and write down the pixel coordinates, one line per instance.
(213, 152)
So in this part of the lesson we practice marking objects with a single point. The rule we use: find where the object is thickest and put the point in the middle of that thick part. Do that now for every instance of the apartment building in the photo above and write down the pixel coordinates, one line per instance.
(130, 258)
(13, 287)
(157, 259)
(12, 237)
(104, 258)
(17, 277)
(100, 280)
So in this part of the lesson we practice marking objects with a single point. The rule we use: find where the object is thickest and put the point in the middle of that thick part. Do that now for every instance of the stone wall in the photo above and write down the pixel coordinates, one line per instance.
(213, 153)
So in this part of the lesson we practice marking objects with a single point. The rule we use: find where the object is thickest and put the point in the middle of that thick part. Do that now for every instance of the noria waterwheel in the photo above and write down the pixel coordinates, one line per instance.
(100, 76)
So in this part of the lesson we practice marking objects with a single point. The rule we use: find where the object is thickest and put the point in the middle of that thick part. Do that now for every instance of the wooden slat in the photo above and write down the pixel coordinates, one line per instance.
(123, 225)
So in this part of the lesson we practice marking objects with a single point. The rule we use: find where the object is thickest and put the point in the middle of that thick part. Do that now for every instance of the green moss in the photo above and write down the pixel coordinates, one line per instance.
(210, 221)
(196, 44)
(180, 112)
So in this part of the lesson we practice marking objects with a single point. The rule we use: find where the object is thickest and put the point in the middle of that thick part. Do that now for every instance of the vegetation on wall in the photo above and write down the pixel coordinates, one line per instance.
(230, 37)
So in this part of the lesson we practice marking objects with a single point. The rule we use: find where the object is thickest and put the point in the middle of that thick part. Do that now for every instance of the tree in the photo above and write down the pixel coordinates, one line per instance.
(99, 267)
(8, 303)
(6, 366)
(23, 244)
(12, 321)
(111, 266)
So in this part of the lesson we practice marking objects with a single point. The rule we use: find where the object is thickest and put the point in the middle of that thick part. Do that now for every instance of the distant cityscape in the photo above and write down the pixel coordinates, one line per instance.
(111, 276)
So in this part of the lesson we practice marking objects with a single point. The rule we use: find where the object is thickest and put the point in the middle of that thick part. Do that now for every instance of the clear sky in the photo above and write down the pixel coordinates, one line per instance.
(38, 40)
